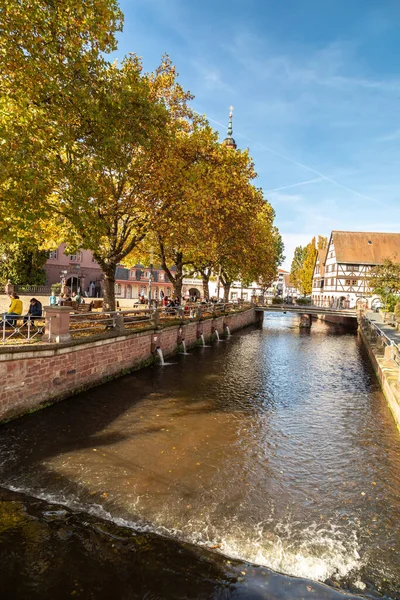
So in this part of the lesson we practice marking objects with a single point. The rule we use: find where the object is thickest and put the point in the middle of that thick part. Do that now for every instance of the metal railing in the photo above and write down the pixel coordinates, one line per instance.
(17, 329)
(380, 337)
(42, 290)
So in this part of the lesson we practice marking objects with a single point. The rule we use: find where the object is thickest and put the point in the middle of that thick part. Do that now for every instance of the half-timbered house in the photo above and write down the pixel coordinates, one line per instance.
(343, 278)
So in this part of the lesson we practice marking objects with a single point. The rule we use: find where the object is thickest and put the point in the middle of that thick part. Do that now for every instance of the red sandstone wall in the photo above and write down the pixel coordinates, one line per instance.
(38, 375)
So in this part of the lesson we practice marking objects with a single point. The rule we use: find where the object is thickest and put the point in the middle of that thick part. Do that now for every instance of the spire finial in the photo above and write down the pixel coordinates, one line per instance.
(229, 141)
(230, 126)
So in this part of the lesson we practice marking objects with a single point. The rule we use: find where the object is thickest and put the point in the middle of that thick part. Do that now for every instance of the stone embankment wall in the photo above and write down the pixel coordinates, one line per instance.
(34, 376)
(386, 370)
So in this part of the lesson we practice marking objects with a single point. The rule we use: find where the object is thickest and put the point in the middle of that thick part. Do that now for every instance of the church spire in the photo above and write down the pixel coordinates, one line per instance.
(229, 141)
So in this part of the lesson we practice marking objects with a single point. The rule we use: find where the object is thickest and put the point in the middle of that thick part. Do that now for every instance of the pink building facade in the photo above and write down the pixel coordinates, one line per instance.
(76, 271)
(81, 272)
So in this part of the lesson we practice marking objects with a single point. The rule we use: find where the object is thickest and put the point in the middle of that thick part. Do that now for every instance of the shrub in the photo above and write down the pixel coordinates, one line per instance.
(277, 300)
(303, 301)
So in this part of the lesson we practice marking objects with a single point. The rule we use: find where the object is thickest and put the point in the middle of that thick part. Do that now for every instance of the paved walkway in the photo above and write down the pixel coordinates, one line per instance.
(388, 330)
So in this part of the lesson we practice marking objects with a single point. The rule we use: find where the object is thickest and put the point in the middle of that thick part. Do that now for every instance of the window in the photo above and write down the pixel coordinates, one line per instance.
(53, 254)
(118, 289)
(317, 270)
(352, 267)
(147, 275)
(94, 260)
(347, 282)
(75, 257)
(233, 295)
(161, 276)
(132, 274)
(332, 282)
(354, 281)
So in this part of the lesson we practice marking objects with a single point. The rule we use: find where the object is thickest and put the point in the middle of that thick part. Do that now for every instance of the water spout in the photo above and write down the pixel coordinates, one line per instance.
(202, 339)
(184, 346)
(160, 356)
(217, 335)
(228, 331)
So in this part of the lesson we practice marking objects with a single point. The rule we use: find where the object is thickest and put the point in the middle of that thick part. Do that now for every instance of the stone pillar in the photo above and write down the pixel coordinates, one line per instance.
(57, 323)
(305, 321)
(389, 352)
(119, 323)
(156, 318)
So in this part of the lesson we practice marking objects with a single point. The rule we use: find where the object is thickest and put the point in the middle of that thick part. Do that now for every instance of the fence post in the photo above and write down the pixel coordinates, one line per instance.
(57, 323)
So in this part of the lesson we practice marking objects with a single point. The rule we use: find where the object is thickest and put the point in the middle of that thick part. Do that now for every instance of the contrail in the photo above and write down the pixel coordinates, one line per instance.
(303, 166)
(285, 187)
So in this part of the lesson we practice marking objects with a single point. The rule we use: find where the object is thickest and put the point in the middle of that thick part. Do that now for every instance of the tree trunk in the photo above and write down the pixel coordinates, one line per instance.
(178, 280)
(227, 287)
(109, 287)
(206, 291)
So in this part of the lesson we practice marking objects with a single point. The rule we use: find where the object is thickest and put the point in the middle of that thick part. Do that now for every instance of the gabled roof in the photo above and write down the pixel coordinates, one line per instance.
(287, 280)
(368, 248)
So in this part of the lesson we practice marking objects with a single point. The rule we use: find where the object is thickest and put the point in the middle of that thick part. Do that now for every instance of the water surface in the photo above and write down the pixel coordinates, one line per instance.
(275, 446)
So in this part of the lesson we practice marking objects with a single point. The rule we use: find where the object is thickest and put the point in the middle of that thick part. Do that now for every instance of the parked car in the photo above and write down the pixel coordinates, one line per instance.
(376, 304)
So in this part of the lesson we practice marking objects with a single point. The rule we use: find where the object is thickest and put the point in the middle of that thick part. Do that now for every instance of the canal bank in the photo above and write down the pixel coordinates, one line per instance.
(381, 343)
(35, 376)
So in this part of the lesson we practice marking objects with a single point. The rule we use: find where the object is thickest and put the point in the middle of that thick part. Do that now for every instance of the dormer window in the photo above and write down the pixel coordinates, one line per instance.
(370, 242)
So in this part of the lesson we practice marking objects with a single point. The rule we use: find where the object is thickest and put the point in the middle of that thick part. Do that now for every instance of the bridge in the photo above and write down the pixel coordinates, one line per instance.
(306, 312)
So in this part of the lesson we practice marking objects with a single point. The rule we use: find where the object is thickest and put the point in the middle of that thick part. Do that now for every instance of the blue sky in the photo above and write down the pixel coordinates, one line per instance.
(316, 90)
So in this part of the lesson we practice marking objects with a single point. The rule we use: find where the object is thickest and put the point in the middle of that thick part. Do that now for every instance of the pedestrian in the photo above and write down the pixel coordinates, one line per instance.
(14, 310)
(53, 299)
(35, 310)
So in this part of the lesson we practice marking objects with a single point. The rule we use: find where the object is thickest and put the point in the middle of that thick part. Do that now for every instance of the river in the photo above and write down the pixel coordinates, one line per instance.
(275, 446)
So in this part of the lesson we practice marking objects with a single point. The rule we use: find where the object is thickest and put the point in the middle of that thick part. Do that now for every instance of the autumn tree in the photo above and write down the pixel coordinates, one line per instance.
(49, 52)
(302, 267)
(22, 263)
(384, 280)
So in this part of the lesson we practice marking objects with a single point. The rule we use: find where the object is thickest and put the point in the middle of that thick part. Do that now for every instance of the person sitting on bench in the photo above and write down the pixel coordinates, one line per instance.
(14, 310)
(35, 310)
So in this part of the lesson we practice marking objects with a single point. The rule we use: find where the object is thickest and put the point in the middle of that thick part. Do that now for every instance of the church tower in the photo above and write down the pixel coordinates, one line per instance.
(229, 142)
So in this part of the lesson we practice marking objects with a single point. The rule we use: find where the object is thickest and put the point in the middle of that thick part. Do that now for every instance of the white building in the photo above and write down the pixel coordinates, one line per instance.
(341, 276)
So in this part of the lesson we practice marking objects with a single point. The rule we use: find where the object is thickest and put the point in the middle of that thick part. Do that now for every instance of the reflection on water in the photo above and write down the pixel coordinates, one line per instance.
(277, 447)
